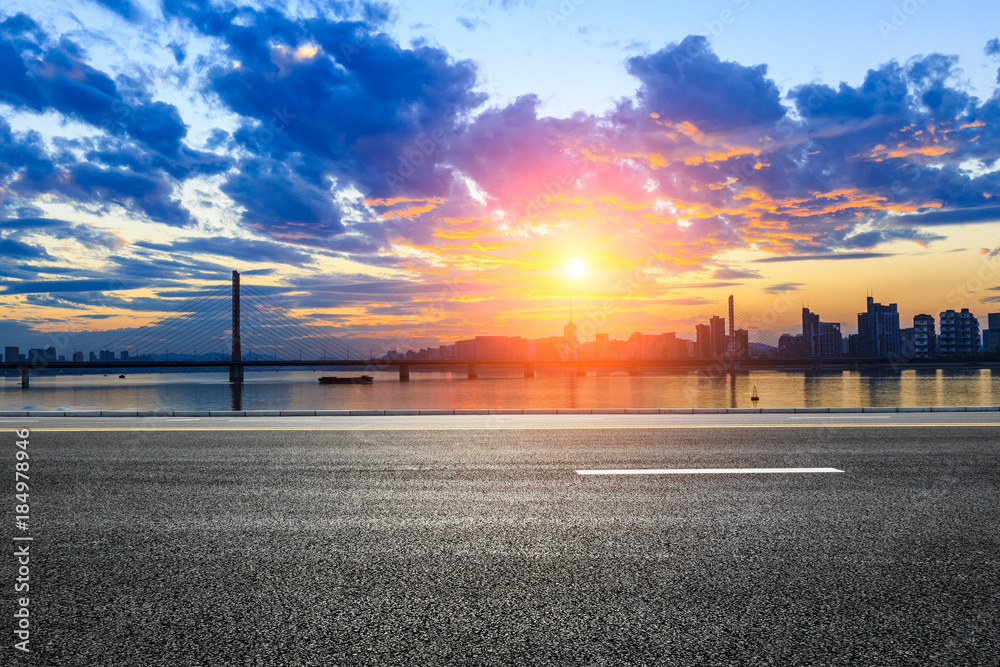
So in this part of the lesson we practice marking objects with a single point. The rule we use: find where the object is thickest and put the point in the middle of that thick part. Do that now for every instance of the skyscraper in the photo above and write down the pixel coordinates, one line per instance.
(924, 338)
(703, 345)
(570, 342)
(810, 334)
(878, 330)
(718, 330)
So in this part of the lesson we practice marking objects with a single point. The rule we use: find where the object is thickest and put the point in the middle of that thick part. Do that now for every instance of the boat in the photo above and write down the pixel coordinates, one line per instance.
(364, 379)
(120, 376)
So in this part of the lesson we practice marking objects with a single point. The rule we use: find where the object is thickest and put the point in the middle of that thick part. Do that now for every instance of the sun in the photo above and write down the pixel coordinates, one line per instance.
(576, 267)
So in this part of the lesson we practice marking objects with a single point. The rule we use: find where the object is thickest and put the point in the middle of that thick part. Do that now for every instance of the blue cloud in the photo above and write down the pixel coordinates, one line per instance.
(17, 250)
(41, 75)
(688, 82)
(248, 250)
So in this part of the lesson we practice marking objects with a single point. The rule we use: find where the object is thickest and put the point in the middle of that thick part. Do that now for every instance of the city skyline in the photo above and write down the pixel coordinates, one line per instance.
(880, 334)
(399, 175)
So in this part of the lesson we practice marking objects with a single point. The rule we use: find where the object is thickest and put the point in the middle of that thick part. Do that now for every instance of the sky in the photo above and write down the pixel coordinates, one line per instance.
(400, 175)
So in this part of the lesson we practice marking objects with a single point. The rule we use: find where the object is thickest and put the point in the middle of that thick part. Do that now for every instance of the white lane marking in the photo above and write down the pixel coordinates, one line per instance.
(701, 471)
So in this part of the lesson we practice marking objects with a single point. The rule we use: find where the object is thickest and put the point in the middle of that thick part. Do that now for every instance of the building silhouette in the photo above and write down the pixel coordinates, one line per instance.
(924, 338)
(959, 333)
(991, 335)
(878, 330)
(718, 337)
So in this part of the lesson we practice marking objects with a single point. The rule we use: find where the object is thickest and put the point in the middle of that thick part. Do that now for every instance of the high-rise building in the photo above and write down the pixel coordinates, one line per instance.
(741, 344)
(78, 356)
(959, 333)
(993, 339)
(37, 355)
(570, 340)
(703, 344)
(924, 338)
(790, 346)
(878, 330)
(820, 339)
(831, 342)
(12, 353)
(718, 333)
(603, 346)
(810, 334)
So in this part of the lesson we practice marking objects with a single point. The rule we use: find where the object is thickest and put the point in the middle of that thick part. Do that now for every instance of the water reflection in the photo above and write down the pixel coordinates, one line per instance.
(299, 390)
(237, 394)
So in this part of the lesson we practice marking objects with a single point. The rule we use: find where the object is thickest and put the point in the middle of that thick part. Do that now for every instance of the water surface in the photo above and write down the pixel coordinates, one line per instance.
(300, 390)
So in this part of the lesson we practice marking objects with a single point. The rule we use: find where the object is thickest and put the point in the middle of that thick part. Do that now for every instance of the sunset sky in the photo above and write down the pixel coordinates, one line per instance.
(408, 174)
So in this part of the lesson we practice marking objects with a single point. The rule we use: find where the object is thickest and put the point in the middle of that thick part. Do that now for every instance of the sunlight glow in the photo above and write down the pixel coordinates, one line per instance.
(576, 267)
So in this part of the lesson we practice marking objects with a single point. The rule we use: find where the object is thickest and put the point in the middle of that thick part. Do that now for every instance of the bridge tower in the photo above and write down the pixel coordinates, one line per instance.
(236, 368)
(731, 348)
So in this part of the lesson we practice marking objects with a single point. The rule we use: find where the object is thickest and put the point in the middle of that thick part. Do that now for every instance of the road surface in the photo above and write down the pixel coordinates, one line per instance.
(475, 540)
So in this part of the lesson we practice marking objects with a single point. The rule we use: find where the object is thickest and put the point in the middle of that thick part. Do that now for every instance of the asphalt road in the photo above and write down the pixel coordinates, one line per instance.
(424, 541)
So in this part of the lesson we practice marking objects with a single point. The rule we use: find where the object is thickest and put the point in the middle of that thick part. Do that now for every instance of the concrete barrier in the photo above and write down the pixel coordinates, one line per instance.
(811, 410)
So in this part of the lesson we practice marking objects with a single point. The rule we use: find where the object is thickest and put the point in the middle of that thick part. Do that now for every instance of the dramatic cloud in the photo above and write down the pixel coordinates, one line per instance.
(326, 147)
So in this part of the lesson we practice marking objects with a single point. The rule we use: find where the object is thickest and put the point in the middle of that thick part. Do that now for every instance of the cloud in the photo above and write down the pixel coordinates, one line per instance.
(688, 82)
(44, 74)
(817, 257)
(730, 273)
(778, 288)
(471, 24)
(123, 8)
(89, 235)
(57, 286)
(16, 250)
(248, 250)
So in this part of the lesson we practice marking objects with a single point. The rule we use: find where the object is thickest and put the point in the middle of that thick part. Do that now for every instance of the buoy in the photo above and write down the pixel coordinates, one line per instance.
(754, 397)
